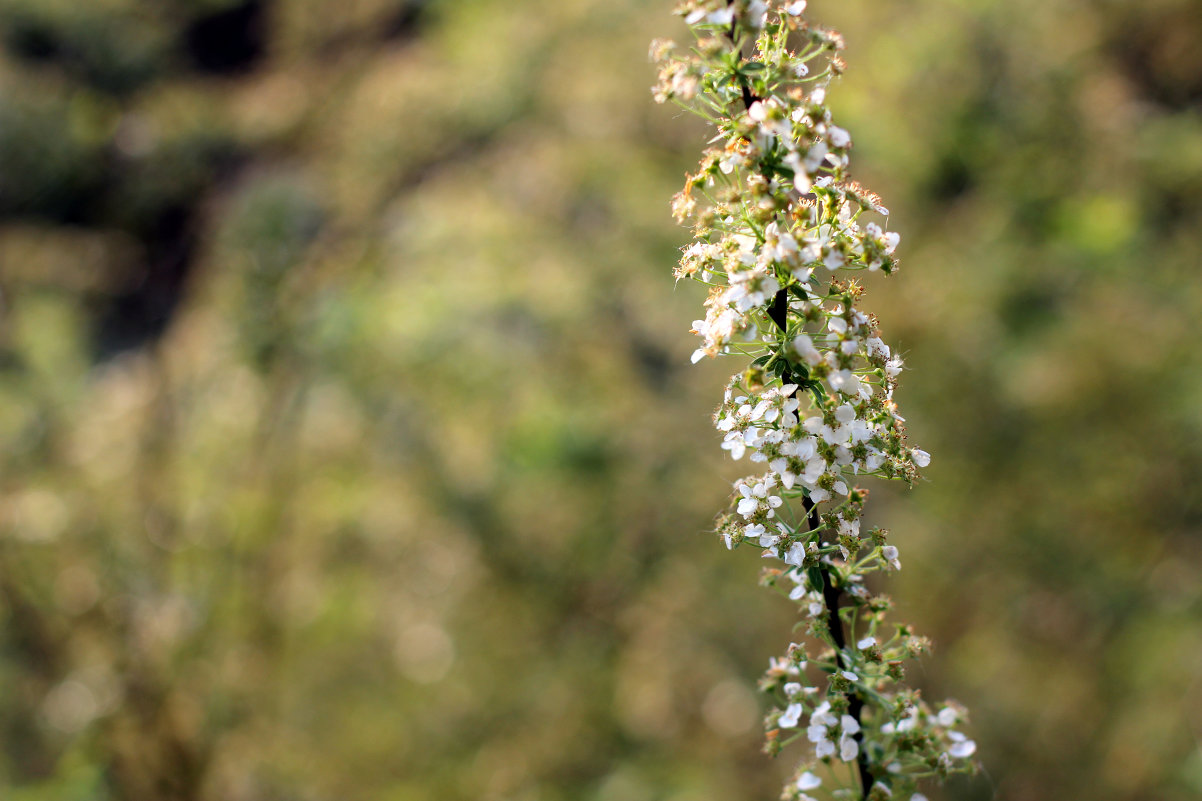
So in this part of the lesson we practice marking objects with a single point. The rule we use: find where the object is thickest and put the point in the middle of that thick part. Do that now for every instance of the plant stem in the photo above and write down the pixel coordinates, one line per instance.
(831, 594)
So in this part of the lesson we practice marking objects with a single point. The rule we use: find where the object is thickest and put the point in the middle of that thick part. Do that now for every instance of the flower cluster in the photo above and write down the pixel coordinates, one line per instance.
(781, 232)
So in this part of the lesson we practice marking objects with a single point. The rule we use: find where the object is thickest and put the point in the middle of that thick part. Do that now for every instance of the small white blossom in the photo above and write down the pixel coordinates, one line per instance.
(771, 117)
(877, 348)
(963, 750)
(791, 717)
(806, 350)
(849, 749)
(808, 781)
(962, 747)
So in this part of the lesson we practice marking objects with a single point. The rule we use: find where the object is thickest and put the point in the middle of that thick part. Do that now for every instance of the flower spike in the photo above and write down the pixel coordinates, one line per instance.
(781, 233)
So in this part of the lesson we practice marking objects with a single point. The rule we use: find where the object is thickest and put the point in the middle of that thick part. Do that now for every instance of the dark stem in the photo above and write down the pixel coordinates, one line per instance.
(831, 594)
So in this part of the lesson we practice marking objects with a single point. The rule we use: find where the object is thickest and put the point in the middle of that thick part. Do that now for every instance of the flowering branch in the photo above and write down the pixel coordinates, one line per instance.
(773, 210)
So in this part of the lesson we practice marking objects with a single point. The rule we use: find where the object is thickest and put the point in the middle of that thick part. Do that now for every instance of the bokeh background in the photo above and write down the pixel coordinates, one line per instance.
(350, 448)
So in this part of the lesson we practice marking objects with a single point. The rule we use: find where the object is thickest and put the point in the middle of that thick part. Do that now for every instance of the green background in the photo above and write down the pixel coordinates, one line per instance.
(350, 448)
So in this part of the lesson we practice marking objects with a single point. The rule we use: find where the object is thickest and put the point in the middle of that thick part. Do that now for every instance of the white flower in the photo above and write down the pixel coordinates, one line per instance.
(779, 666)
(866, 643)
(717, 329)
(776, 402)
(815, 156)
(804, 449)
(806, 350)
(795, 555)
(779, 246)
(756, 498)
(874, 459)
(757, 12)
(921, 457)
(849, 749)
(962, 747)
(791, 717)
(822, 715)
(771, 117)
(801, 175)
(844, 381)
(858, 431)
(822, 245)
(963, 750)
(768, 539)
(889, 554)
(751, 289)
(814, 469)
(905, 724)
(736, 444)
(808, 781)
(848, 746)
(720, 17)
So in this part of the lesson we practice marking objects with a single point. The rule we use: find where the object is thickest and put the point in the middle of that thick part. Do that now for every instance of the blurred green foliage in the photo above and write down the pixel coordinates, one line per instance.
(350, 448)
